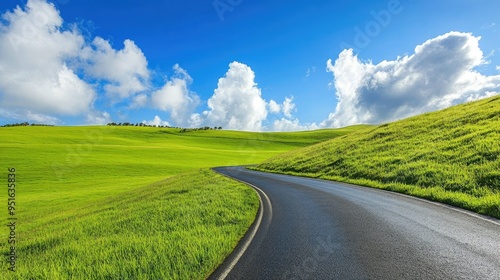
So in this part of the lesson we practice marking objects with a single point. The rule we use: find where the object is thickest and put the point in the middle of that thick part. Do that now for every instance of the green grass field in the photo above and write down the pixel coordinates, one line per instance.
(451, 156)
(93, 202)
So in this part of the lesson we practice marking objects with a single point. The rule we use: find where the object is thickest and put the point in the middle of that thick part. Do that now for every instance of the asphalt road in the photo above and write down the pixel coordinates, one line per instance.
(313, 229)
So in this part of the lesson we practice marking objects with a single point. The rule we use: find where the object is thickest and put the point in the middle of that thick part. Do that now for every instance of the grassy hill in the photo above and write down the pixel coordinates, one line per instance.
(452, 156)
(95, 202)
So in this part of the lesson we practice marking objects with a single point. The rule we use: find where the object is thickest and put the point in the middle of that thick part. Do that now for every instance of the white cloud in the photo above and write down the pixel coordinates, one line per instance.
(439, 74)
(40, 58)
(157, 121)
(195, 120)
(497, 68)
(288, 107)
(139, 101)
(125, 71)
(237, 101)
(285, 124)
(176, 98)
(35, 80)
(26, 115)
(274, 107)
(238, 104)
(41, 118)
(98, 118)
(49, 71)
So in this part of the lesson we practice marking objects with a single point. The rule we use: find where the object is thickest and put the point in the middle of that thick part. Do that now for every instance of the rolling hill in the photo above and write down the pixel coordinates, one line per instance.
(131, 202)
(451, 156)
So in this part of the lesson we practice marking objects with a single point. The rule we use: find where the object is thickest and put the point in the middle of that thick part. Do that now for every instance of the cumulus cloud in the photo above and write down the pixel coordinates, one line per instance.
(288, 107)
(157, 121)
(139, 101)
(274, 107)
(39, 61)
(35, 80)
(196, 120)
(285, 124)
(28, 115)
(439, 74)
(124, 71)
(98, 118)
(237, 102)
(176, 98)
(49, 71)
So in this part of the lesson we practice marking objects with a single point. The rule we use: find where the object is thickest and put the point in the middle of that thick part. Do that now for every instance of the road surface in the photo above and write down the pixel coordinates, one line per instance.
(314, 229)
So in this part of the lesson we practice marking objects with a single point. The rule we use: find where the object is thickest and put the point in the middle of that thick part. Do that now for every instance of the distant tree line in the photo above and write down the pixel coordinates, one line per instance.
(25, 124)
(138, 124)
(182, 130)
(200, 128)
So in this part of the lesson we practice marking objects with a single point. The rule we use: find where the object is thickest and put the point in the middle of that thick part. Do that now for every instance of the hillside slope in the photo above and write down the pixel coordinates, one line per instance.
(452, 156)
(60, 159)
(91, 206)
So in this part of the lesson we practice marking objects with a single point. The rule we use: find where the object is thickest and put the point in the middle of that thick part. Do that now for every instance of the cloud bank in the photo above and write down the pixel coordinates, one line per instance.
(439, 74)
(39, 64)
(50, 71)
(35, 80)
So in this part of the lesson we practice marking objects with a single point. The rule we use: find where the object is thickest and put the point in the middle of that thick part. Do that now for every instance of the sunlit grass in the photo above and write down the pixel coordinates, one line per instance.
(452, 156)
(180, 228)
(89, 205)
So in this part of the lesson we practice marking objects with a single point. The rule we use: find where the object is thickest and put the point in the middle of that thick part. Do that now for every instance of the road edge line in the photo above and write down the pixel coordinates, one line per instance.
(450, 207)
(234, 257)
(467, 212)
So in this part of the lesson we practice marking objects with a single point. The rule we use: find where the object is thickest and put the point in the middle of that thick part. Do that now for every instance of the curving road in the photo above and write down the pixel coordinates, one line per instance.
(314, 229)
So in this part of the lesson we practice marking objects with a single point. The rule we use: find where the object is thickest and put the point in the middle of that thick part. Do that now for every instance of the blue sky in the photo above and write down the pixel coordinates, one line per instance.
(240, 64)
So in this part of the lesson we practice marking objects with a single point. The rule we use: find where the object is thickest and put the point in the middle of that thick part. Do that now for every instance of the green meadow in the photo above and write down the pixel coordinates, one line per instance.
(131, 202)
(451, 156)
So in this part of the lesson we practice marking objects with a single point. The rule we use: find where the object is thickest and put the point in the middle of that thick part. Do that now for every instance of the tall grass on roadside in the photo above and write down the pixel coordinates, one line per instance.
(179, 228)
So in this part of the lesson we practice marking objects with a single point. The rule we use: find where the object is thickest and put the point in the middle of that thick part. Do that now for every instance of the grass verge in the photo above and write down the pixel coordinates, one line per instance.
(179, 228)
